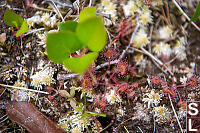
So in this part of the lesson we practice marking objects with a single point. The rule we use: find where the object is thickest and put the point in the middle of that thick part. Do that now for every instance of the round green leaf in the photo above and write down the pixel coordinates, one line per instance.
(12, 19)
(68, 26)
(92, 33)
(79, 65)
(87, 13)
(60, 45)
(23, 29)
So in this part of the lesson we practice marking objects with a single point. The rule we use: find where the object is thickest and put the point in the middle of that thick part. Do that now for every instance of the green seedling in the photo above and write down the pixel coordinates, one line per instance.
(14, 20)
(78, 107)
(88, 35)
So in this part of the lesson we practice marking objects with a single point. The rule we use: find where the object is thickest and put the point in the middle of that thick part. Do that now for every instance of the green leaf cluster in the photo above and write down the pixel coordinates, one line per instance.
(14, 20)
(73, 36)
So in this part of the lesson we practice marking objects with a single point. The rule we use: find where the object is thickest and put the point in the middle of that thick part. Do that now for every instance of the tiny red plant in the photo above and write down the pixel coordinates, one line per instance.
(110, 53)
(122, 68)
(122, 88)
(132, 71)
(193, 82)
(170, 91)
(156, 81)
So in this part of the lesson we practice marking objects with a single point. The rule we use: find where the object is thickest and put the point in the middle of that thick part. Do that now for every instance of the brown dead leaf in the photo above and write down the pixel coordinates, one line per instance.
(2, 37)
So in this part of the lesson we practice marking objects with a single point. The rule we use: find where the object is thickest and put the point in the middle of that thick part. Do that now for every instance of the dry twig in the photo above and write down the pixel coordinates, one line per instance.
(175, 113)
(188, 18)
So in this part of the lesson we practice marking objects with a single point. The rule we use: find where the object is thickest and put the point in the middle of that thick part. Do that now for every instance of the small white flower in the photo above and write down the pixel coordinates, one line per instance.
(36, 80)
(183, 79)
(140, 39)
(120, 111)
(76, 130)
(157, 49)
(160, 112)
(162, 49)
(157, 3)
(112, 97)
(45, 17)
(42, 38)
(43, 77)
(139, 3)
(111, 7)
(165, 32)
(145, 17)
(111, 10)
(152, 98)
(35, 19)
(105, 2)
(179, 49)
(53, 21)
(130, 8)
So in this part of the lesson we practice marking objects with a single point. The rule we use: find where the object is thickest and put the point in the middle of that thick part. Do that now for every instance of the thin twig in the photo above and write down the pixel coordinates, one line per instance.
(90, 3)
(156, 59)
(57, 10)
(61, 4)
(106, 64)
(131, 41)
(33, 31)
(188, 18)
(2, 92)
(151, 56)
(126, 129)
(23, 88)
(167, 11)
(163, 13)
(107, 126)
(175, 113)
(67, 76)
(43, 9)
(140, 130)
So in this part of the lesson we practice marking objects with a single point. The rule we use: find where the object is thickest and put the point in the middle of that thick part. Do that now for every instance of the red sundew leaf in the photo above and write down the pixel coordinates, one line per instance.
(110, 53)
(193, 81)
(156, 80)
(122, 88)
(182, 104)
(171, 92)
(27, 116)
(122, 68)
(132, 71)
(131, 94)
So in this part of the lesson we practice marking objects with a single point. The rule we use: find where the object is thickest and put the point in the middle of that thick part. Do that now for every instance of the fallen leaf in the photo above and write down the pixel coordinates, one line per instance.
(2, 37)
(26, 115)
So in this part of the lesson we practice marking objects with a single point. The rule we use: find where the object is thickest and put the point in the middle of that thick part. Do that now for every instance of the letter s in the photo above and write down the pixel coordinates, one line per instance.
(193, 108)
